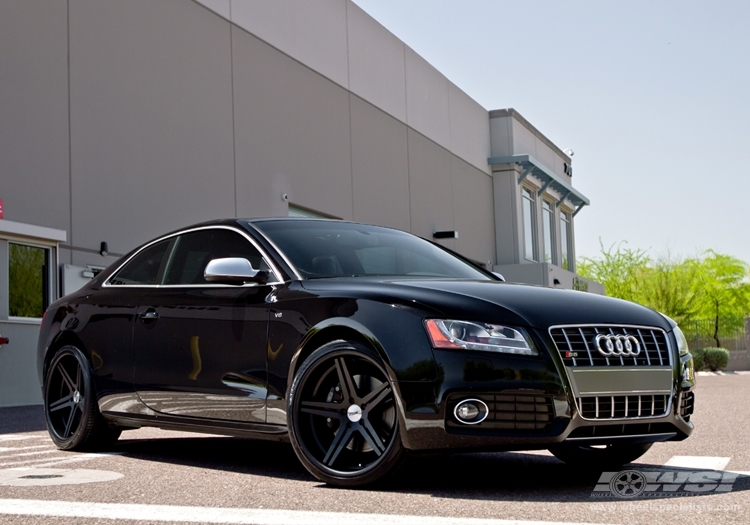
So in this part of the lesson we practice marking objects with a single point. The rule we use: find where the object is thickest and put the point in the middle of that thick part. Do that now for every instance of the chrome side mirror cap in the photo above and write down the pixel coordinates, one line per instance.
(232, 270)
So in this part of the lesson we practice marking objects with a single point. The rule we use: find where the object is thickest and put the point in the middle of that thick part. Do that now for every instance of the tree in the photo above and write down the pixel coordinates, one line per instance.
(670, 287)
(712, 286)
(724, 289)
(620, 270)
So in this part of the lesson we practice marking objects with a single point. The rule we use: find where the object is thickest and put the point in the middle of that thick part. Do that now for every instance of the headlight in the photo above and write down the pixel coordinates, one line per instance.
(682, 344)
(466, 335)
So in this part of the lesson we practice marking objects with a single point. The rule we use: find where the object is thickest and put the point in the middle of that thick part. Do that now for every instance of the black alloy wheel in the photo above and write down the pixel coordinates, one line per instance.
(599, 456)
(72, 414)
(342, 416)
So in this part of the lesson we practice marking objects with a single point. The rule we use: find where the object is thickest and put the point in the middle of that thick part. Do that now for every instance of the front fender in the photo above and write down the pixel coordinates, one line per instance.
(395, 332)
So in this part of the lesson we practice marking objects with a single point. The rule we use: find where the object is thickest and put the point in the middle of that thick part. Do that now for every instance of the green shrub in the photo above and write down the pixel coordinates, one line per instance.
(710, 358)
(698, 358)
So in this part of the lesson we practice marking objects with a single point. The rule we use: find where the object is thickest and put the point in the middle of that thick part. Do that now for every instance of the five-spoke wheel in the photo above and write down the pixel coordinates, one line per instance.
(342, 416)
(73, 418)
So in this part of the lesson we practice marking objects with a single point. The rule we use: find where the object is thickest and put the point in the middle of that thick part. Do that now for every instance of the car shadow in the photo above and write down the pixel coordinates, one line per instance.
(502, 476)
(242, 456)
(518, 476)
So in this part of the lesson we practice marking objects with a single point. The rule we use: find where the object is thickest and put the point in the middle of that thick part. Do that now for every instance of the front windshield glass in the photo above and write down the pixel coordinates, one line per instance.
(340, 249)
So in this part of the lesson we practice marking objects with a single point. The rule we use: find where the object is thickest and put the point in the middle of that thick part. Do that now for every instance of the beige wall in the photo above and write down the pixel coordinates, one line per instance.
(34, 161)
(341, 42)
(149, 116)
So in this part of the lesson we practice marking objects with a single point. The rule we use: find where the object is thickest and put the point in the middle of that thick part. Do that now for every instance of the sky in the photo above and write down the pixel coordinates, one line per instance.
(652, 97)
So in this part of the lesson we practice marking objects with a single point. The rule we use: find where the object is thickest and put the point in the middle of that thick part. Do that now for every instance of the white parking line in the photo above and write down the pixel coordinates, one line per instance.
(35, 453)
(698, 462)
(12, 449)
(68, 458)
(45, 477)
(23, 438)
(30, 461)
(76, 459)
(173, 513)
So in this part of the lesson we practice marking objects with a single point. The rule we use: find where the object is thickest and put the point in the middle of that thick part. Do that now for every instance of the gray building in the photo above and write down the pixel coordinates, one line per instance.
(122, 120)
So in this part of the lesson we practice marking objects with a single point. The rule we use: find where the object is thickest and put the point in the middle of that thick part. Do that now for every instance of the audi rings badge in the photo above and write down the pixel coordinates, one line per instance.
(617, 345)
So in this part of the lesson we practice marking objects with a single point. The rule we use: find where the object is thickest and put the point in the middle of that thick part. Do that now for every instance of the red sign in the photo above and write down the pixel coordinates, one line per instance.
(1, 208)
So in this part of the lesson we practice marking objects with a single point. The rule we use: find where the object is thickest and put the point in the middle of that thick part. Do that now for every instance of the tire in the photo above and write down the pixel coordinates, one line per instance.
(342, 416)
(70, 407)
(611, 455)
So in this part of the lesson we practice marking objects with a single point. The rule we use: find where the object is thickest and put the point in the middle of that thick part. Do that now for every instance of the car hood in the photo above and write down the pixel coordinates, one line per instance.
(493, 301)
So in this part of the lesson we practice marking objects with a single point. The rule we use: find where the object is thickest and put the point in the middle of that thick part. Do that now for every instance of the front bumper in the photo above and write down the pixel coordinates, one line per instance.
(537, 402)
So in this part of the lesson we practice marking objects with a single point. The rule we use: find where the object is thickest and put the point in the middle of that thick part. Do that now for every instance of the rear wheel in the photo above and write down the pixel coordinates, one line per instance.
(72, 414)
(604, 456)
(342, 416)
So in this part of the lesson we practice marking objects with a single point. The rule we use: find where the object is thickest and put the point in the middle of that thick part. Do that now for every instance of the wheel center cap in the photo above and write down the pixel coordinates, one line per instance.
(354, 413)
(77, 397)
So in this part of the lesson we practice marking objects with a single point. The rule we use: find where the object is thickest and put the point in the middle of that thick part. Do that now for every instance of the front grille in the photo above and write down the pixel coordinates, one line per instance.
(621, 407)
(687, 404)
(508, 411)
(577, 346)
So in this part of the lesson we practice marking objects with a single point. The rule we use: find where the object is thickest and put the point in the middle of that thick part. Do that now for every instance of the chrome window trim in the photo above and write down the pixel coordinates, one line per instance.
(274, 269)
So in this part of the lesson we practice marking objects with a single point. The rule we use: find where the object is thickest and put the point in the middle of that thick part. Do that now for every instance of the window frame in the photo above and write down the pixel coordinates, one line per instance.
(549, 207)
(566, 214)
(50, 292)
(528, 195)
(273, 269)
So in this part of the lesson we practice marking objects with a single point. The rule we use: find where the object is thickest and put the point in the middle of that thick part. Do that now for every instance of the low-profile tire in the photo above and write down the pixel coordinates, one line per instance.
(342, 416)
(70, 407)
(597, 457)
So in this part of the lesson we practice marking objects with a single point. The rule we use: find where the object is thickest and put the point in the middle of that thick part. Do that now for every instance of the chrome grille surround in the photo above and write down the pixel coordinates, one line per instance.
(577, 345)
(687, 404)
(603, 387)
(637, 406)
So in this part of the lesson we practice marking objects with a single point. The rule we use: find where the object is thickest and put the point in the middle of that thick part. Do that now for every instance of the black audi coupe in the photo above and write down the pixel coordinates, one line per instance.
(359, 344)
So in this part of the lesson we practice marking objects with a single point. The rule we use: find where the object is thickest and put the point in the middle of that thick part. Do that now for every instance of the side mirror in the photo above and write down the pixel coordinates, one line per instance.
(499, 276)
(233, 270)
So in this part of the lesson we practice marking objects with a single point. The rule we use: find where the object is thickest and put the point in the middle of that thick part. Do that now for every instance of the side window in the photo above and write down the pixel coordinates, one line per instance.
(195, 249)
(145, 267)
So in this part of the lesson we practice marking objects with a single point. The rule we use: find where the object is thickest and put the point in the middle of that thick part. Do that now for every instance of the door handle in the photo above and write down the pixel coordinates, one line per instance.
(149, 315)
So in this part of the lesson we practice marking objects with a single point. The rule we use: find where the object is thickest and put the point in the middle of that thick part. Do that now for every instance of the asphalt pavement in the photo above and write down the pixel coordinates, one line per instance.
(156, 476)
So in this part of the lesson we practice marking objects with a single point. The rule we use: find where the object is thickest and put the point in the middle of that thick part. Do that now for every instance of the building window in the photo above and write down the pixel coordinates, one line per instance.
(565, 218)
(548, 228)
(29, 277)
(296, 211)
(529, 225)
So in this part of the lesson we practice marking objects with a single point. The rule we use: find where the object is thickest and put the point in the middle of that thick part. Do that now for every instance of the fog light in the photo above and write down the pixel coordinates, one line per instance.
(467, 411)
(471, 411)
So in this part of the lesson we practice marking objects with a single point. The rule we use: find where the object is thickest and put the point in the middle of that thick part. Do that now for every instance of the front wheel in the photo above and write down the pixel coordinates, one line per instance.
(604, 456)
(70, 407)
(342, 416)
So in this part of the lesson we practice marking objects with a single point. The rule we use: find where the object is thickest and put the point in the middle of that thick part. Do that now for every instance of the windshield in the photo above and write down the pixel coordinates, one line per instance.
(339, 249)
